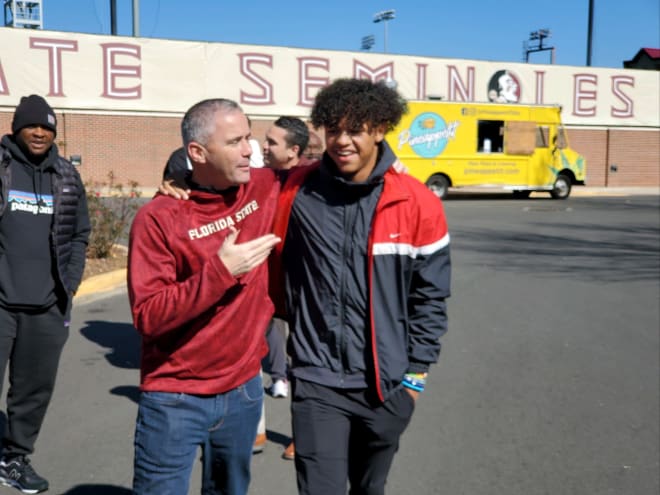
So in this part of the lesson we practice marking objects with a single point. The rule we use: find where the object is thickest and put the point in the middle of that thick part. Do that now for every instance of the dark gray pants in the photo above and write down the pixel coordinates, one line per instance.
(276, 335)
(343, 437)
(31, 342)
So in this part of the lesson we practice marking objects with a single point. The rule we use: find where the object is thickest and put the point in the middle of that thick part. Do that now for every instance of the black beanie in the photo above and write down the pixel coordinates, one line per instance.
(33, 110)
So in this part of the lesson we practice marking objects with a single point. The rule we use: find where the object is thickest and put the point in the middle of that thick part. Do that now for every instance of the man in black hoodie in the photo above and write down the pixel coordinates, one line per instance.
(44, 229)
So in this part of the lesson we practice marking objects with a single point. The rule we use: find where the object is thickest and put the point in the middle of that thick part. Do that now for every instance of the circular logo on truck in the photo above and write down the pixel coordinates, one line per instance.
(428, 135)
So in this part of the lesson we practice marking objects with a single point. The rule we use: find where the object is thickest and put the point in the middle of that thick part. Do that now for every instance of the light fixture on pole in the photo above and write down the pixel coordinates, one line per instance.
(384, 16)
(368, 42)
(537, 38)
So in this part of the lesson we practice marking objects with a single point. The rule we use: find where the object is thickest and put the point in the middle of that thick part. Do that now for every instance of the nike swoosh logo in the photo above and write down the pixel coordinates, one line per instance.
(394, 236)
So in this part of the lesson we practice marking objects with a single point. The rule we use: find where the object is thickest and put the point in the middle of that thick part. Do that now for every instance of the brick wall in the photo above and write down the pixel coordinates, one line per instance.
(132, 148)
(592, 144)
(634, 153)
(135, 148)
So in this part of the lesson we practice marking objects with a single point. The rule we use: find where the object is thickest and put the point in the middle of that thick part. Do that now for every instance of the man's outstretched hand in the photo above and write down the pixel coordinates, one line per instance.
(241, 258)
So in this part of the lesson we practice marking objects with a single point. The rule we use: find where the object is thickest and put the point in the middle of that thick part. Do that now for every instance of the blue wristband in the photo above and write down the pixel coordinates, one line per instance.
(414, 381)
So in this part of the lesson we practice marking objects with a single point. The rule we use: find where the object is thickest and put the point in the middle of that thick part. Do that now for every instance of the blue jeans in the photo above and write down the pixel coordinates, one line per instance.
(171, 427)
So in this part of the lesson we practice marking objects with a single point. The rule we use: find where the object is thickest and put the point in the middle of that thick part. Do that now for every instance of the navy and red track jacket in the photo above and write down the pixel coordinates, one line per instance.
(408, 277)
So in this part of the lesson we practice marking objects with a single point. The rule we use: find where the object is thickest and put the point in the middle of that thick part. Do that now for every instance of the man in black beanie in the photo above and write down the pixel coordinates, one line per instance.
(44, 229)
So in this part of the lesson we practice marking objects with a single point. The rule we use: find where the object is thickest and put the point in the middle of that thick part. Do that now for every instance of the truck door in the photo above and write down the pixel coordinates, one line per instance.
(545, 156)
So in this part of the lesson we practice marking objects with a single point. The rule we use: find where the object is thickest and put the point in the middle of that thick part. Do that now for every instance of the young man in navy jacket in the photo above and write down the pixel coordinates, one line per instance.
(365, 263)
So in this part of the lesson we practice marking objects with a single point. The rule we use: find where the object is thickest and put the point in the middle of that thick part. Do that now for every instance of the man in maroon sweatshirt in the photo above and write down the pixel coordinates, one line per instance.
(198, 290)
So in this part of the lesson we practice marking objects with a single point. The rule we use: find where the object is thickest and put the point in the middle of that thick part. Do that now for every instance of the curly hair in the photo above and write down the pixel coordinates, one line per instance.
(355, 102)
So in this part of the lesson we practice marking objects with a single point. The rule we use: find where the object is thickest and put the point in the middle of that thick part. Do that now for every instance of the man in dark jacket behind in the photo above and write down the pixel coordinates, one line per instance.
(44, 229)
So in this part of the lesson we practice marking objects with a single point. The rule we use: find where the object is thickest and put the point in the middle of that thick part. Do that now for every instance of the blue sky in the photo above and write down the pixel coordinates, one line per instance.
(474, 29)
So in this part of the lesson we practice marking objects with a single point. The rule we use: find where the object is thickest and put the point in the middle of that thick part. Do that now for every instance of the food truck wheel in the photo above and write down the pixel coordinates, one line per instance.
(562, 187)
(438, 184)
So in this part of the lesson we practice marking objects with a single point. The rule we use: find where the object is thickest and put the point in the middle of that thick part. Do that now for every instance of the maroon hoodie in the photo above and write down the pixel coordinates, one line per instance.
(203, 330)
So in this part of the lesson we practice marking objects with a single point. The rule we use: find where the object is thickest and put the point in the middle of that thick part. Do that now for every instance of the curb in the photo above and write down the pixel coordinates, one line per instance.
(576, 191)
(101, 283)
(615, 191)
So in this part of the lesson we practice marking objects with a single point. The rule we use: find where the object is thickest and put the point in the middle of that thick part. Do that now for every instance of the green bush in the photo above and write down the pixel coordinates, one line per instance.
(111, 209)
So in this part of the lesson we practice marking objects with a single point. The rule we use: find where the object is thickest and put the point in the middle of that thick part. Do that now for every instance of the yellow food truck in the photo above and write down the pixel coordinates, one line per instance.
(522, 148)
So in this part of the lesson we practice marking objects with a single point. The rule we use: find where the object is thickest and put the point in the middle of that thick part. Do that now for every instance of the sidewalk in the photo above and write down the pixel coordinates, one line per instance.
(615, 191)
(576, 191)
(100, 285)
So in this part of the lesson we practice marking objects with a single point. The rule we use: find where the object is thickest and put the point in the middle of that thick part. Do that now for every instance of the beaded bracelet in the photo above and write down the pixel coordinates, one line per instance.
(414, 381)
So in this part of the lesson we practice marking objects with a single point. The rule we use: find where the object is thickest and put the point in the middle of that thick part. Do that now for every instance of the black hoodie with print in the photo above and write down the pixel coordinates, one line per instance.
(28, 271)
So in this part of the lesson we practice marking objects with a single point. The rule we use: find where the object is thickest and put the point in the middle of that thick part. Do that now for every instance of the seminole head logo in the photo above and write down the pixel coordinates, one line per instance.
(504, 87)
(428, 134)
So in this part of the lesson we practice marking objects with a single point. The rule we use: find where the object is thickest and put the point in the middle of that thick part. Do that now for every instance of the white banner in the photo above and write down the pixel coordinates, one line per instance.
(82, 72)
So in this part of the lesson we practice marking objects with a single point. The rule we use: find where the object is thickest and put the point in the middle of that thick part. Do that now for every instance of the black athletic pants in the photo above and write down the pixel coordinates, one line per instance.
(31, 342)
(342, 437)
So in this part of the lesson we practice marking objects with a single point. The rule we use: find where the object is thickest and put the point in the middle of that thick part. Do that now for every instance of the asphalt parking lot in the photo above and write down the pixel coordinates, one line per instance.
(549, 379)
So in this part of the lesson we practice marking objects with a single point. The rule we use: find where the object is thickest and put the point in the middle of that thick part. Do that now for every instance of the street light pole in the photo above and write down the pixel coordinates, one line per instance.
(384, 16)
(136, 18)
(113, 17)
(590, 28)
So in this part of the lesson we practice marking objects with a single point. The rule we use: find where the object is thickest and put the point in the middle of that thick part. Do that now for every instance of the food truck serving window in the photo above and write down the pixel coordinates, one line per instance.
(490, 136)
